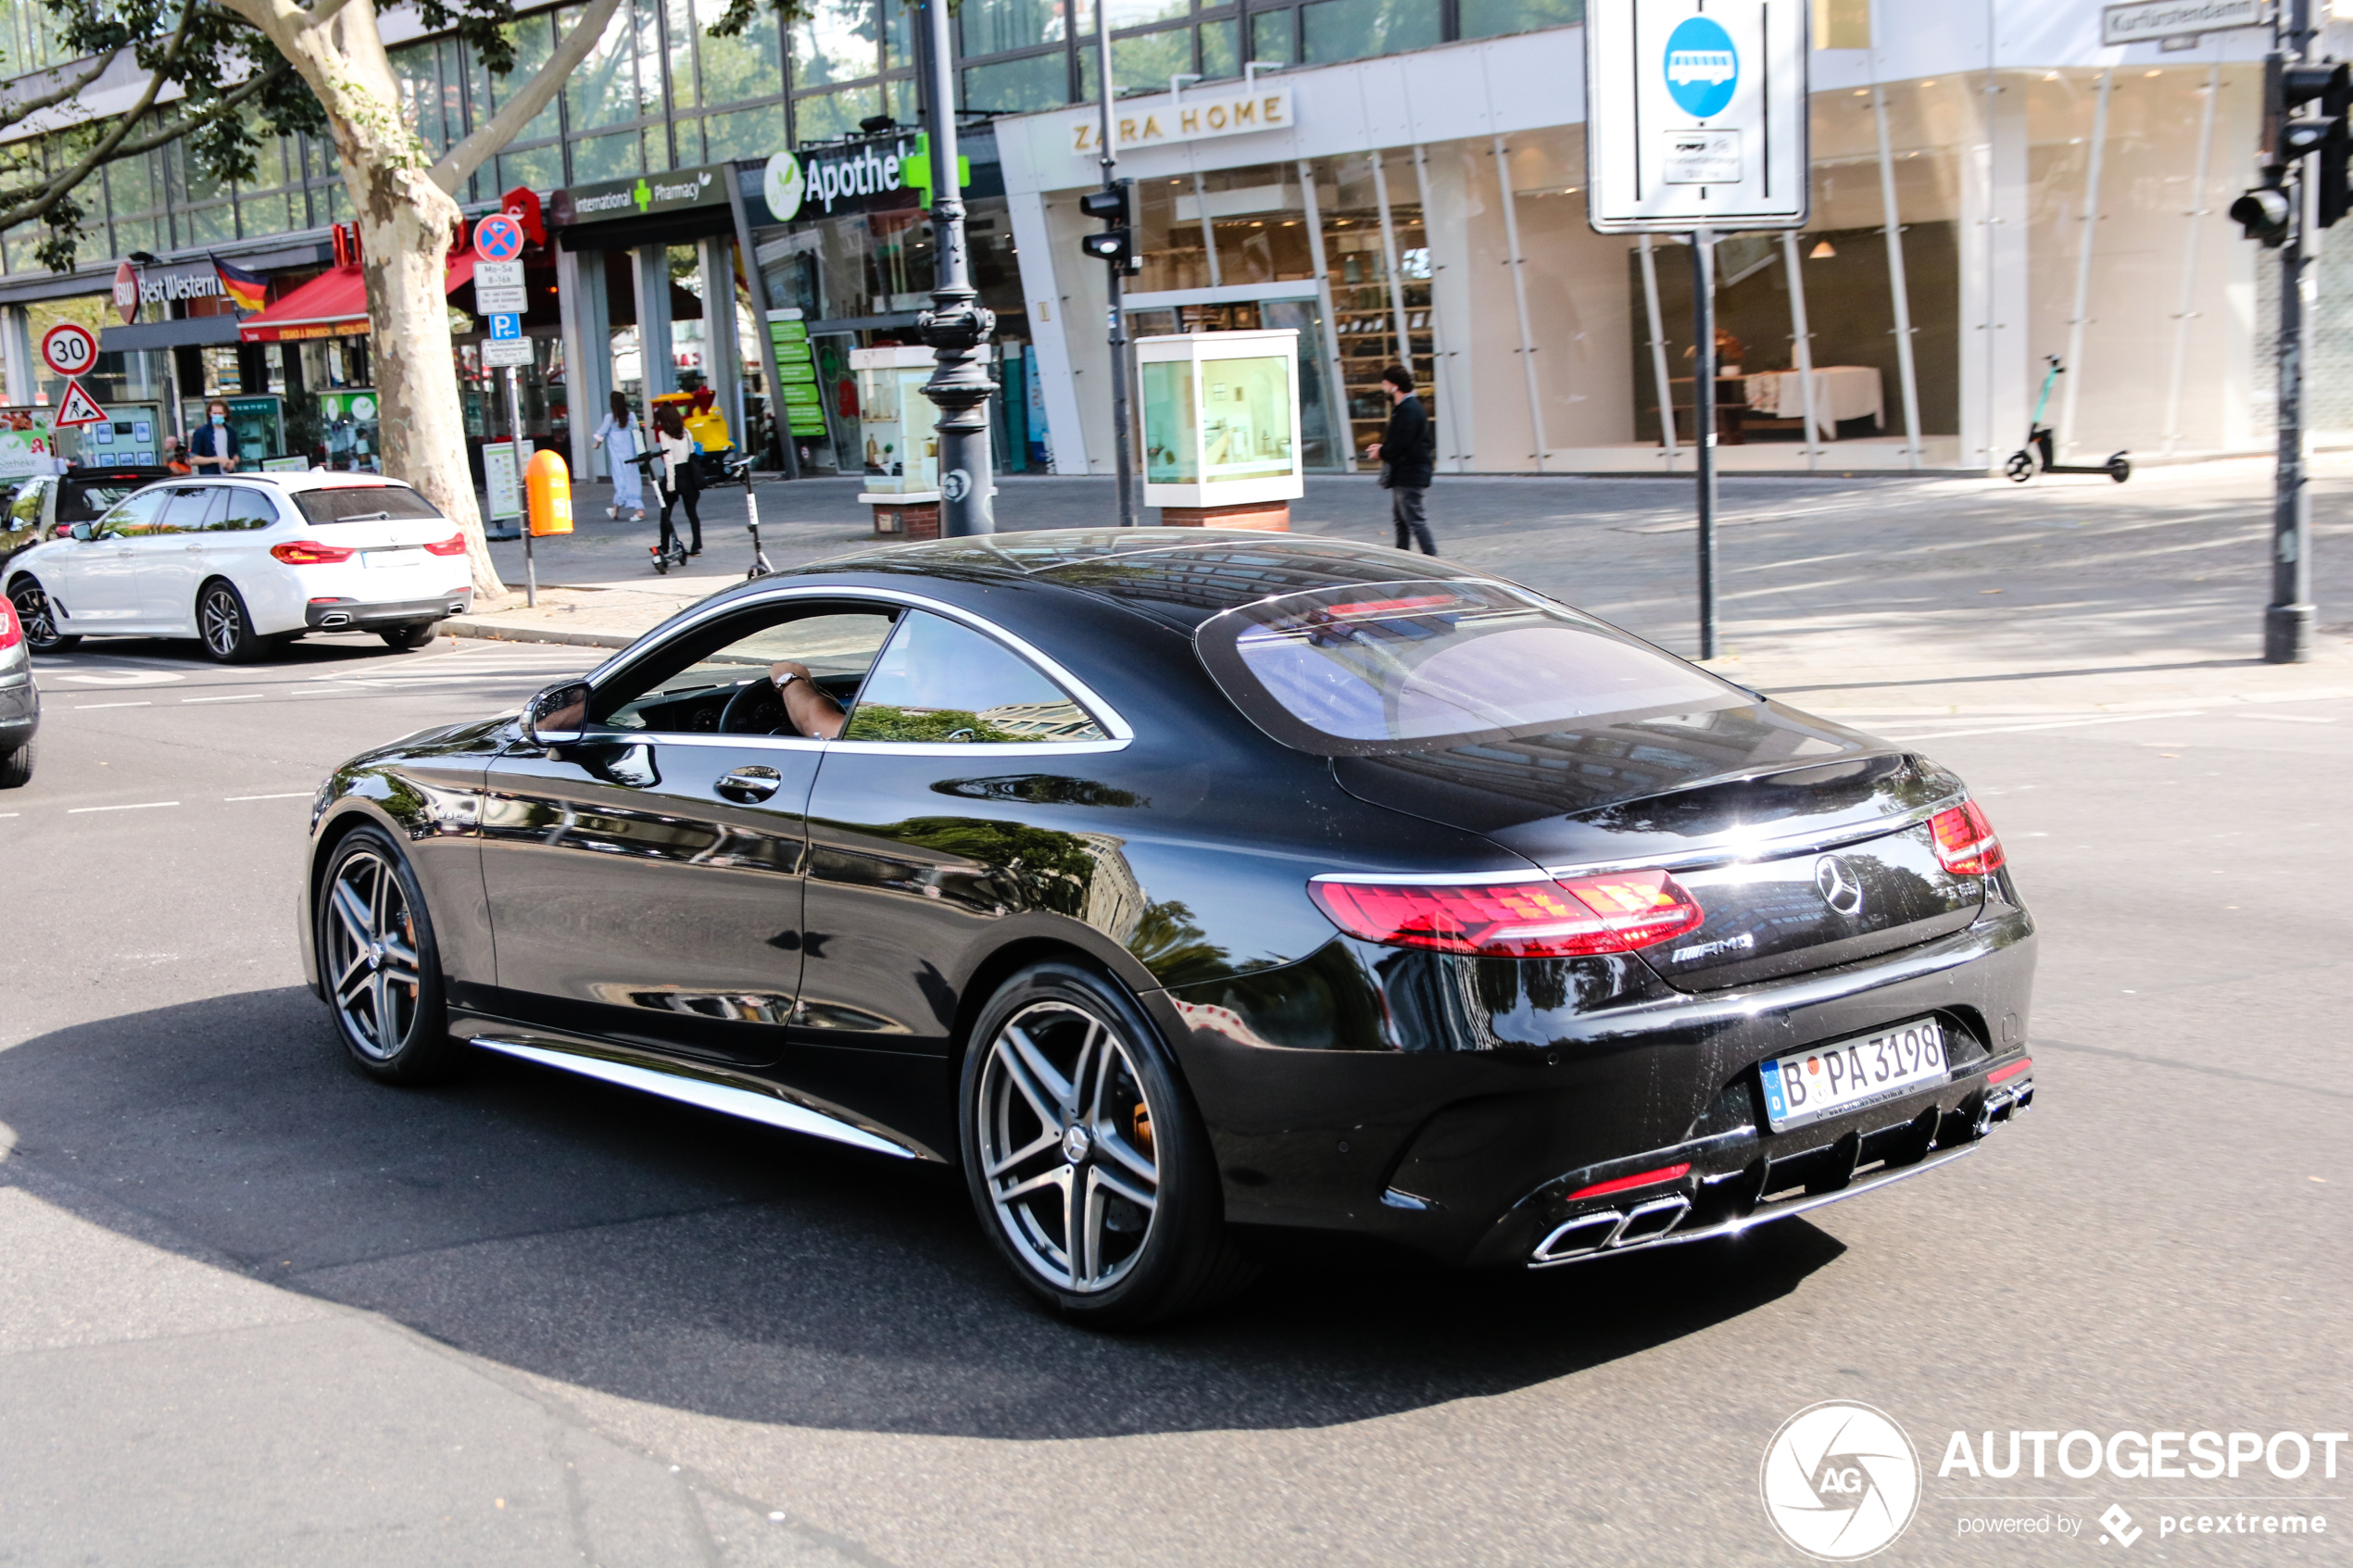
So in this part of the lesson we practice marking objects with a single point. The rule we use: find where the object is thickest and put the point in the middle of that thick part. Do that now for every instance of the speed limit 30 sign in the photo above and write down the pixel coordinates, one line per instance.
(68, 349)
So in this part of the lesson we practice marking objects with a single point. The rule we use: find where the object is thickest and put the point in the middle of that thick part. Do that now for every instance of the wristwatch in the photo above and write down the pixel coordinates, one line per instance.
(787, 677)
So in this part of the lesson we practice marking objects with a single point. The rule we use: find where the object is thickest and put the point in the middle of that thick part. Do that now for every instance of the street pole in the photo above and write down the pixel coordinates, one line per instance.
(957, 326)
(1704, 427)
(2287, 620)
(514, 446)
(1123, 457)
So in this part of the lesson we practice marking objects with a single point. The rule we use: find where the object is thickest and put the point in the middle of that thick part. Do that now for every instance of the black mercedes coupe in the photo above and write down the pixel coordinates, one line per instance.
(1194, 889)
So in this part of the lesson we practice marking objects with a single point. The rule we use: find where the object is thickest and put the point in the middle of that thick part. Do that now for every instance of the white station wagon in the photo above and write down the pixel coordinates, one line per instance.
(248, 562)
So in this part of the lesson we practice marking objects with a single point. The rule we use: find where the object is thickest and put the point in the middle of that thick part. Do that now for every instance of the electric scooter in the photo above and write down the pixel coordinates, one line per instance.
(2020, 467)
(734, 466)
(669, 553)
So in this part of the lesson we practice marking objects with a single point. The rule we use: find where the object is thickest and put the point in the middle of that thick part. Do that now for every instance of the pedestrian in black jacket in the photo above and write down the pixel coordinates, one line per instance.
(1407, 452)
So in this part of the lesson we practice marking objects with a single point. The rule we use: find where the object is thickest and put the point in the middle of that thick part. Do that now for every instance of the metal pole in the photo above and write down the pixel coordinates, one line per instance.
(957, 326)
(2083, 314)
(1123, 439)
(1802, 336)
(2287, 621)
(1208, 227)
(1704, 427)
(2188, 312)
(514, 446)
(1658, 353)
(1336, 396)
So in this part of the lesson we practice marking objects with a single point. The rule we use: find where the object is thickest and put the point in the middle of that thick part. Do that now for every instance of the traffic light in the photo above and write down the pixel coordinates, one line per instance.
(2323, 133)
(1116, 244)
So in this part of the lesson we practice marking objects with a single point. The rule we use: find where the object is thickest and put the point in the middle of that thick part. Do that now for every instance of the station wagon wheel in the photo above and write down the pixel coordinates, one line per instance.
(222, 623)
(1087, 1160)
(38, 617)
(378, 964)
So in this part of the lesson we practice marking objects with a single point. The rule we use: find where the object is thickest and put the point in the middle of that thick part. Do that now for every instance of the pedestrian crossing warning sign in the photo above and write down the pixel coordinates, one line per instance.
(77, 408)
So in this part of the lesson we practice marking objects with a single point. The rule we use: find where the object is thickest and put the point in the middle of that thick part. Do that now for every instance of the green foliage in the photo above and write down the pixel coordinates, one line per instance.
(882, 721)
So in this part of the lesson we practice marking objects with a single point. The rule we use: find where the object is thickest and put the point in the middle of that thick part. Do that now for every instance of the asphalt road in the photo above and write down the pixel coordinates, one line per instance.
(257, 1309)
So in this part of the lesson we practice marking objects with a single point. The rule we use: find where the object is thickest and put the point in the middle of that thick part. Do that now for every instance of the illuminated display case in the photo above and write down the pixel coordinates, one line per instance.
(896, 423)
(1220, 418)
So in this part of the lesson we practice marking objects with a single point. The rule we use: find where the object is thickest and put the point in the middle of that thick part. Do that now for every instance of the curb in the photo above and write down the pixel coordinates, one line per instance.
(461, 626)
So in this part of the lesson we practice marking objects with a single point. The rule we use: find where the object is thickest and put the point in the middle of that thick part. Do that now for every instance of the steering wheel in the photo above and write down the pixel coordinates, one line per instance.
(756, 709)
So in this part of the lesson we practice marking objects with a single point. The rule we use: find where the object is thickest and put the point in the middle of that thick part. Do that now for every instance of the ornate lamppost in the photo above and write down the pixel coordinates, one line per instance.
(957, 327)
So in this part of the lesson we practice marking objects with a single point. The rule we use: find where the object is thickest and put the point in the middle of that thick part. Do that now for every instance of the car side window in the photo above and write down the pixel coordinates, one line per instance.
(942, 681)
(242, 509)
(190, 509)
(24, 508)
(688, 686)
(134, 517)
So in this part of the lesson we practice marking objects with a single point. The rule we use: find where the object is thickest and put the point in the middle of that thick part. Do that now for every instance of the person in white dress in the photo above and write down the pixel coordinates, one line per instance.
(619, 436)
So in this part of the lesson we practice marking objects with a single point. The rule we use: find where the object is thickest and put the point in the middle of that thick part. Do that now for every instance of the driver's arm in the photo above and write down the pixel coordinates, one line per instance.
(810, 711)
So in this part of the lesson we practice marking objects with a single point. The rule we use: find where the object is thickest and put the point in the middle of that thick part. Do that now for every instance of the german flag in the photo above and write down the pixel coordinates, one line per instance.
(246, 291)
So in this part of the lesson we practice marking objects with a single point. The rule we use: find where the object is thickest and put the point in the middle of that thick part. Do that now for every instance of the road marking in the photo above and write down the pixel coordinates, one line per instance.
(87, 707)
(2061, 724)
(142, 806)
(2290, 718)
(239, 698)
(290, 795)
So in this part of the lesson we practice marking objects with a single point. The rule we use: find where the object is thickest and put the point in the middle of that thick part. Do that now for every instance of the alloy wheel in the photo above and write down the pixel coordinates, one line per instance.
(221, 619)
(1065, 1141)
(371, 955)
(39, 621)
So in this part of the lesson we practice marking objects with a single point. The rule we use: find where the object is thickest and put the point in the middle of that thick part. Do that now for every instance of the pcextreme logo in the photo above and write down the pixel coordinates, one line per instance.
(1841, 1481)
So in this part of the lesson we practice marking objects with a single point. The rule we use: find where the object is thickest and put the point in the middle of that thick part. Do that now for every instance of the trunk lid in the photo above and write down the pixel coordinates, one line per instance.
(1806, 843)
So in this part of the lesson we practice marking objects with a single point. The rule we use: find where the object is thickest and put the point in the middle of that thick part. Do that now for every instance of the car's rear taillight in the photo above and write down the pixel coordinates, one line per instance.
(453, 546)
(1965, 841)
(10, 632)
(1539, 918)
(309, 552)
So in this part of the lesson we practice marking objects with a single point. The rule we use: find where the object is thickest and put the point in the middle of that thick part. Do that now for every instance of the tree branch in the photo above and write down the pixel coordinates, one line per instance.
(524, 106)
(105, 151)
(27, 107)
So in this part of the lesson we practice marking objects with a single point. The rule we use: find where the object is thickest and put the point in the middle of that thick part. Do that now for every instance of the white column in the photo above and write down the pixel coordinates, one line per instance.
(722, 349)
(2010, 373)
(1389, 265)
(1519, 300)
(1897, 287)
(1658, 353)
(1049, 332)
(1444, 373)
(16, 346)
(651, 276)
(1801, 337)
(1343, 427)
(1208, 228)
(587, 338)
(2197, 215)
(2081, 317)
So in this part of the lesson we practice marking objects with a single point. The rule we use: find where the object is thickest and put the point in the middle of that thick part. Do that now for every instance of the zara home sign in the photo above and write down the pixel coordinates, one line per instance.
(1197, 116)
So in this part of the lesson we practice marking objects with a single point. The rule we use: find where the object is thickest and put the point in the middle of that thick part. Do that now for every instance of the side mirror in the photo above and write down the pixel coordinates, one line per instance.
(557, 716)
(85, 532)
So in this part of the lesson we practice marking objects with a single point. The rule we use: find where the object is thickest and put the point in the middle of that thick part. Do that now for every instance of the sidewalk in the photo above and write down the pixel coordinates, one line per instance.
(1866, 600)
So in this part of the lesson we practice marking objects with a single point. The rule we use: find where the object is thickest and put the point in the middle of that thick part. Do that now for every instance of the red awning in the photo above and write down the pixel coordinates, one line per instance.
(334, 304)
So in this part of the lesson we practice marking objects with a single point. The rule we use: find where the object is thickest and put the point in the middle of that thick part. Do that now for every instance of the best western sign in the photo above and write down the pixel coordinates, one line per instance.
(1197, 116)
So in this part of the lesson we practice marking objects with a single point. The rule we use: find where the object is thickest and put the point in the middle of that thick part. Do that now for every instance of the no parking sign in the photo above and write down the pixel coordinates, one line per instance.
(498, 238)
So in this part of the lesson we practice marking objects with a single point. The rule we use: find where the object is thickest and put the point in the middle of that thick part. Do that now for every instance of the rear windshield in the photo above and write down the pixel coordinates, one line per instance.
(361, 503)
(1416, 665)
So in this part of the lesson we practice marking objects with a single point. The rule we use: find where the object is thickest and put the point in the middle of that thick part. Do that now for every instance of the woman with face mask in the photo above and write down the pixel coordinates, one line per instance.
(212, 448)
(619, 436)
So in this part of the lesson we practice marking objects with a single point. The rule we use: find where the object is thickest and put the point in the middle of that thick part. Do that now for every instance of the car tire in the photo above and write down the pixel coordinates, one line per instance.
(406, 639)
(16, 767)
(1072, 1121)
(31, 602)
(223, 624)
(379, 964)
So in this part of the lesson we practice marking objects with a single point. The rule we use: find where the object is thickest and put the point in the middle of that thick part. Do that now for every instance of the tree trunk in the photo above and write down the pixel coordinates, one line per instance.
(406, 225)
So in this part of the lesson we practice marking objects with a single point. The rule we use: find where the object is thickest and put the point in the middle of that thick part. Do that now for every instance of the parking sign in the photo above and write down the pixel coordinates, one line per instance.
(504, 326)
(1695, 116)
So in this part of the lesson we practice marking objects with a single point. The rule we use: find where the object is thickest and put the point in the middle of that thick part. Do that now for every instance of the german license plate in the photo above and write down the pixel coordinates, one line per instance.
(394, 559)
(1824, 1080)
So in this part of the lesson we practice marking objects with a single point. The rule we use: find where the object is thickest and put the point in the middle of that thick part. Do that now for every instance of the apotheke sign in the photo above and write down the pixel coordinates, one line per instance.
(1196, 117)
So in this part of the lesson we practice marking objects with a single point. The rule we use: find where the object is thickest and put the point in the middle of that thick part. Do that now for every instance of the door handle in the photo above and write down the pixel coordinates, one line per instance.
(748, 785)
